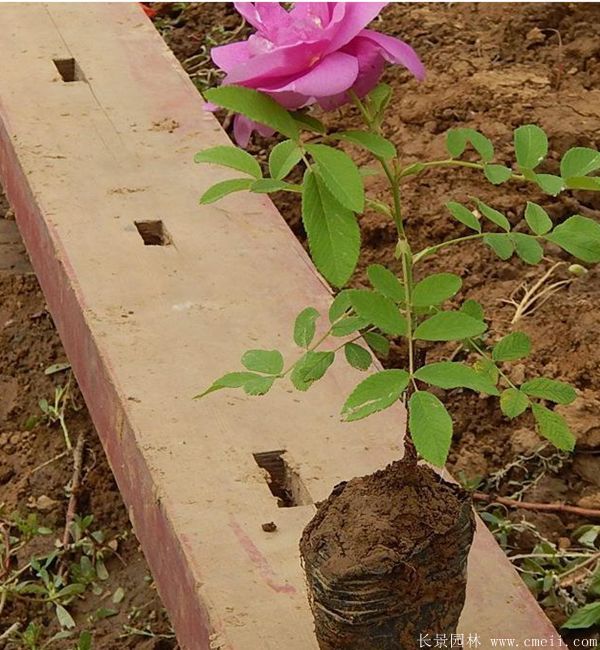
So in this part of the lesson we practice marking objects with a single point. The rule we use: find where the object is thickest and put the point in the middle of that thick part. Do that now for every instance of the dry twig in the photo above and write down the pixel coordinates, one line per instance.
(539, 507)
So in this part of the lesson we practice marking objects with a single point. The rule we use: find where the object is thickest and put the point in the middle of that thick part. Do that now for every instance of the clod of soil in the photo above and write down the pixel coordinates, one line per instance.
(385, 556)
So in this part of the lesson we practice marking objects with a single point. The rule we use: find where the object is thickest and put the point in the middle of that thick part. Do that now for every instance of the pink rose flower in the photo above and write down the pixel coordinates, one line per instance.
(314, 53)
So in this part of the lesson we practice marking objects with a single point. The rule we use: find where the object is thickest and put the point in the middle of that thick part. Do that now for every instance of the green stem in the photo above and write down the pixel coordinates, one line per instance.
(488, 358)
(433, 249)
(450, 162)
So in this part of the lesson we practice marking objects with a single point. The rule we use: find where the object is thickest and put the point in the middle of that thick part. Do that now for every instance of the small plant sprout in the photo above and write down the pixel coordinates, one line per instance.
(361, 322)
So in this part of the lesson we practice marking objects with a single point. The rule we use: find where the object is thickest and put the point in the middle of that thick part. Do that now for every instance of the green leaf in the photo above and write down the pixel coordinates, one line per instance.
(308, 122)
(283, 158)
(591, 183)
(579, 161)
(372, 142)
(378, 310)
(340, 174)
(473, 308)
(304, 327)
(435, 289)
(450, 374)
(230, 380)
(255, 105)
(378, 342)
(85, 641)
(232, 157)
(258, 385)
(268, 361)
(430, 427)
(349, 325)
(550, 184)
(537, 218)
(550, 389)
(501, 244)
(464, 215)
(267, 185)
(375, 393)
(357, 356)
(553, 427)
(584, 617)
(64, 618)
(333, 232)
(340, 305)
(579, 236)
(384, 281)
(219, 190)
(457, 139)
(497, 174)
(494, 216)
(531, 146)
(488, 369)
(528, 247)
(310, 368)
(512, 347)
(513, 402)
(449, 326)
(379, 98)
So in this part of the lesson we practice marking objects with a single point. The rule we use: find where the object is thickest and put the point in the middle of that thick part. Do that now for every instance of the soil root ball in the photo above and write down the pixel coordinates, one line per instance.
(385, 559)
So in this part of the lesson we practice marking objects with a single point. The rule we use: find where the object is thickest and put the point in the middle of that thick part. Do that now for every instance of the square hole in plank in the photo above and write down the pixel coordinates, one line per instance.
(153, 233)
(285, 484)
(69, 70)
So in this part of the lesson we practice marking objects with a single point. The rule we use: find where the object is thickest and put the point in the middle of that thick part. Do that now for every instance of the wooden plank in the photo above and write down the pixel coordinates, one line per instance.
(146, 327)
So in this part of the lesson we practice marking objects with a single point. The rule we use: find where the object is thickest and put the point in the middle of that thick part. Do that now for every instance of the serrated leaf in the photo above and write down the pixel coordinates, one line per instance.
(464, 215)
(378, 310)
(268, 185)
(435, 289)
(258, 385)
(584, 617)
(550, 389)
(497, 174)
(511, 347)
(232, 157)
(450, 374)
(430, 427)
(488, 369)
(333, 232)
(473, 308)
(579, 236)
(550, 184)
(305, 327)
(378, 342)
(372, 142)
(494, 216)
(230, 380)
(579, 161)
(537, 218)
(528, 247)
(308, 122)
(384, 281)
(340, 174)
(283, 158)
(349, 325)
(449, 326)
(553, 427)
(311, 368)
(513, 402)
(340, 305)
(501, 244)
(255, 105)
(379, 98)
(531, 146)
(269, 362)
(375, 393)
(357, 356)
(219, 190)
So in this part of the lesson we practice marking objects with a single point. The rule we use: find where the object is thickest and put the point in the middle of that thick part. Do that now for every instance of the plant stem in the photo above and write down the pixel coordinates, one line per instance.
(430, 250)
(450, 162)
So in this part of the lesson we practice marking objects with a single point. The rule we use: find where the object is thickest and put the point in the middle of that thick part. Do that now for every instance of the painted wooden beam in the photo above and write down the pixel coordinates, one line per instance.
(98, 128)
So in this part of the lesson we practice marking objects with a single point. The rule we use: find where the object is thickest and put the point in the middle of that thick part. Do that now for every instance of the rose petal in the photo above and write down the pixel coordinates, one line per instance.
(227, 57)
(348, 19)
(243, 128)
(396, 51)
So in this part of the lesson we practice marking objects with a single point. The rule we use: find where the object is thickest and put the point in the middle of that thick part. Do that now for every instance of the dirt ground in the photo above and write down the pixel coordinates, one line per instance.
(491, 67)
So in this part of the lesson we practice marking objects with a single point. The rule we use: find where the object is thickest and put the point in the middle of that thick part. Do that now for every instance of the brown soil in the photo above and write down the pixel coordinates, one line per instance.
(392, 559)
(28, 345)
(491, 67)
